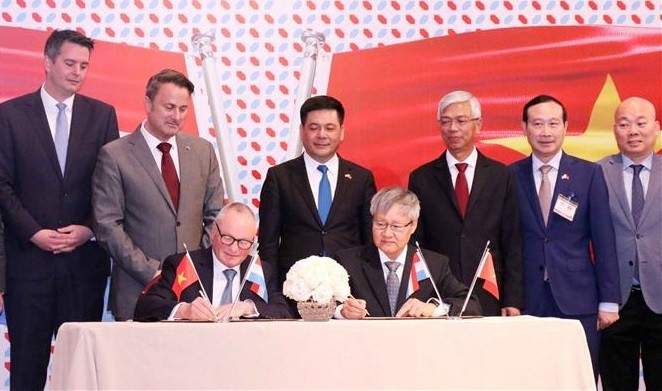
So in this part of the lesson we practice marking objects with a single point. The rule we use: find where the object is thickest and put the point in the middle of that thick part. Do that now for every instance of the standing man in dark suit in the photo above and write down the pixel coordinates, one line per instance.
(318, 203)
(154, 191)
(232, 239)
(634, 180)
(468, 199)
(49, 140)
(382, 276)
(565, 212)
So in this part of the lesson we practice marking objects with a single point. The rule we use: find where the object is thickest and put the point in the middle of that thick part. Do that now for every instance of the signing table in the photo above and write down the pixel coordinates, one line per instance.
(484, 353)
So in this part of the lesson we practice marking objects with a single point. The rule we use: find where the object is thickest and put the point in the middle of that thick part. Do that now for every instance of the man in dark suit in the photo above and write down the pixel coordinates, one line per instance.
(634, 180)
(565, 212)
(292, 226)
(388, 278)
(468, 199)
(232, 239)
(154, 191)
(49, 140)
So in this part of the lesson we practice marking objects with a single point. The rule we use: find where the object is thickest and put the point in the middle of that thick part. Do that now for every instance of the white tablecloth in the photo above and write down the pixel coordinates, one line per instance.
(485, 353)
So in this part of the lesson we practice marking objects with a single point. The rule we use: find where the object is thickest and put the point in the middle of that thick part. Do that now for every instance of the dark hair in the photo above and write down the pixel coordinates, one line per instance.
(54, 43)
(167, 76)
(322, 102)
(542, 99)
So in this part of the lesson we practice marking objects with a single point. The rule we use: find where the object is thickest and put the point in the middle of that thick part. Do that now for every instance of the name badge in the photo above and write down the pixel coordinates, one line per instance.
(565, 207)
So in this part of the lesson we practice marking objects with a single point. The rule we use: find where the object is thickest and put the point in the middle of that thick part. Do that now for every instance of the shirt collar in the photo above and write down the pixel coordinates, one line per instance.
(50, 102)
(470, 160)
(555, 162)
(647, 163)
(311, 164)
(152, 141)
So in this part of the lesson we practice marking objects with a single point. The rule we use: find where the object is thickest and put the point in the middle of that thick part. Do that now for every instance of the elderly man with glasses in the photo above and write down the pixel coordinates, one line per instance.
(390, 278)
(219, 271)
(468, 199)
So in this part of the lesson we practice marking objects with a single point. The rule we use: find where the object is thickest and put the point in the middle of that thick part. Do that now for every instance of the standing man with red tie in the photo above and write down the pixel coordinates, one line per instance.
(468, 199)
(154, 191)
(49, 141)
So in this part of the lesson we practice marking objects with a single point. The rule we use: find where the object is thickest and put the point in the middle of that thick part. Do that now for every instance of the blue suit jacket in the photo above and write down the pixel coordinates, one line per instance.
(578, 280)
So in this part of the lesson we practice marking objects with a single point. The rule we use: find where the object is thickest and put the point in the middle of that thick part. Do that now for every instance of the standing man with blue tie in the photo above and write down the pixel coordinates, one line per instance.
(49, 140)
(564, 208)
(634, 179)
(318, 203)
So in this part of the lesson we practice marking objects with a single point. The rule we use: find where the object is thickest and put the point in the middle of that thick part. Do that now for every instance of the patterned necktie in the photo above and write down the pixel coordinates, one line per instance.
(226, 298)
(392, 284)
(462, 188)
(61, 138)
(637, 206)
(545, 193)
(169, 173)
(324, 194)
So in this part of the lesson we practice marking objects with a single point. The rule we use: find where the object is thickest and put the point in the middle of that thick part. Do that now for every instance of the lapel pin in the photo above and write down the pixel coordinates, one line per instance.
(348, 176)
(188, 148)
(565, 177)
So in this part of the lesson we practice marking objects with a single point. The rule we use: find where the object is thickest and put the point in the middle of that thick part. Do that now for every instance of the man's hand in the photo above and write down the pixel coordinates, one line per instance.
(510, 311)
(242, 308)
(606, 319)
(353, 309)
(416, 308)
(199, 309)
(62, 240)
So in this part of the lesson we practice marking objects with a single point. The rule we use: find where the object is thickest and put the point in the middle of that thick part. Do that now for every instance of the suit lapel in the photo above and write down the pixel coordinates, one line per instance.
(206, 271)
(564, 185)
(343, 185)
(141, 152)
(613, 173)
(443, 177)
(481, 176)
(299, 178)
(186, 170)
(529, 186)
(80, 112)
(654, 189)
(374, 273)
(406, 273)
(42, 130)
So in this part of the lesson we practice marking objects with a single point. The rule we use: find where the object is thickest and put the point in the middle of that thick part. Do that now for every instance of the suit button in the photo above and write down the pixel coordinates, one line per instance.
(323, 232)
(639, 236)
(546, 240)
(631, 263)
(178, 223)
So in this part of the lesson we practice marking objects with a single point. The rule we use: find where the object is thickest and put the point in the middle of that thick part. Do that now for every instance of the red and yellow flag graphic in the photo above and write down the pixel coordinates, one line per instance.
(489, 276)
(185, 276)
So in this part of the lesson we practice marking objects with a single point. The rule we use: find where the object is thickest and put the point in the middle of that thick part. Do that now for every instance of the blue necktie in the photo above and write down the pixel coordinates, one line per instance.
(61, 138)
(324, 194)
(637, 206)
(226, 298)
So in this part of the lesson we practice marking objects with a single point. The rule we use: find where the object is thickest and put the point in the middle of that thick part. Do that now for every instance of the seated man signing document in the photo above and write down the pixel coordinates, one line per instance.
(179, 294)
(380, 274)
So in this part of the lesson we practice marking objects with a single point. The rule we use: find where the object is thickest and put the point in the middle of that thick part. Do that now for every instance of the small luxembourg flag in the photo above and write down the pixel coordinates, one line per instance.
(256, 278)
(419, 272)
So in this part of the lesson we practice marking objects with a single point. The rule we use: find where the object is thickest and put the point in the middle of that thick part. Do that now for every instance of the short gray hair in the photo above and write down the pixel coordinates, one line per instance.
(237, 207)
(459, 97)
(387, 197)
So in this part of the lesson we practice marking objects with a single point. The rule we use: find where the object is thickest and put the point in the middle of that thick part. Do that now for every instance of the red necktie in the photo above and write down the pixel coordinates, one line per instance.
(462, 188)
(169, 173)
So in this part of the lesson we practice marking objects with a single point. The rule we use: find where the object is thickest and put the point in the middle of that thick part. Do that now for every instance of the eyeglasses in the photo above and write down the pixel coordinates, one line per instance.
(382, 225)
(462, 122)
(227, 240)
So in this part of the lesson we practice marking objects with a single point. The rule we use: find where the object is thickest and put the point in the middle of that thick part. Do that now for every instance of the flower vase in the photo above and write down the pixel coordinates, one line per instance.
(317, 312)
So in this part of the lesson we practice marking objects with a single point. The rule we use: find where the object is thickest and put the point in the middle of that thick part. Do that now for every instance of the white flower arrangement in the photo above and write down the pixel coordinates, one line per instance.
(319, 279)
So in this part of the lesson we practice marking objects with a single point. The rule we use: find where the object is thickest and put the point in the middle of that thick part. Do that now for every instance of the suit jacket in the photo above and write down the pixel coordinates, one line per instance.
(35, 195)
(134, 215)
(290, 227)
(492, 214)
(159, 301)
(577, 280)
(367, 282)
(3, 259)
(630, 240)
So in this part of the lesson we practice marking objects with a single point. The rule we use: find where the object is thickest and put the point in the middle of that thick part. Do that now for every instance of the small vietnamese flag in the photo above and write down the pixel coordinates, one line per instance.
(488, 274)
(185, 276)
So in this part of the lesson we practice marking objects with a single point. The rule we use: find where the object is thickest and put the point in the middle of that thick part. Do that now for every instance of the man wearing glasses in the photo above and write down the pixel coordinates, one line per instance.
(388, 278)
(468, 199)
(221, 269)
